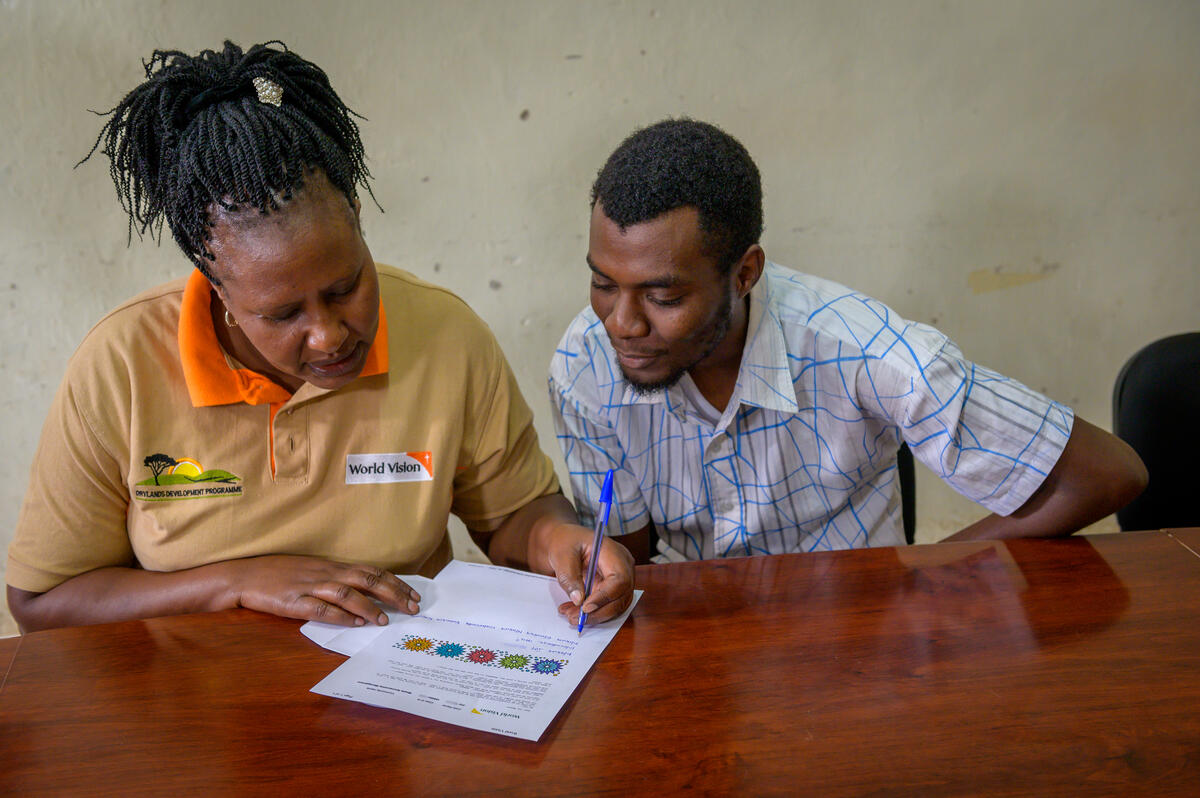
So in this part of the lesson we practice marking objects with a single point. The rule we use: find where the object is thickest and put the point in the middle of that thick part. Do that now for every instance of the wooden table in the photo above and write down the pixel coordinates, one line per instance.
(1065, 667)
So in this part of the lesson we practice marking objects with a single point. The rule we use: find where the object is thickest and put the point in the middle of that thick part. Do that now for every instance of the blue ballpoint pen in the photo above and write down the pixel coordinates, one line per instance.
(601, 522)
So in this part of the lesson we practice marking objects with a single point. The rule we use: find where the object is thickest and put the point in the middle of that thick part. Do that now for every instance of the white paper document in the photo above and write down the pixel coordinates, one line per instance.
(488, 651)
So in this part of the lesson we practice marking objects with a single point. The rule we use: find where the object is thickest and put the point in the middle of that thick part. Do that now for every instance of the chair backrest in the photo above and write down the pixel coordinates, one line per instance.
(1156, 410)
(908, 492)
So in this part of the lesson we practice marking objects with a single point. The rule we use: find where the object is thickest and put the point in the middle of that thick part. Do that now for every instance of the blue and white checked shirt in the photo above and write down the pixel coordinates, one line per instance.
(804, 456)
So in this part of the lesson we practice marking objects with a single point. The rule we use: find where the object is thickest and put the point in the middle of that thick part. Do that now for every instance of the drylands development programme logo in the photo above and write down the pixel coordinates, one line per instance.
(184, 478)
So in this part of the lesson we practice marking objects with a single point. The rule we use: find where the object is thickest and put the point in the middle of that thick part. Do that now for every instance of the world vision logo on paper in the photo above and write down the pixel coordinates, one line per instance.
(184, 478)
(364, 469)
(477, 711)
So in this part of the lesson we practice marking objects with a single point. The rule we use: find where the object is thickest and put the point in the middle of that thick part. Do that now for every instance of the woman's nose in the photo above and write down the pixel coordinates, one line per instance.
(327, 333)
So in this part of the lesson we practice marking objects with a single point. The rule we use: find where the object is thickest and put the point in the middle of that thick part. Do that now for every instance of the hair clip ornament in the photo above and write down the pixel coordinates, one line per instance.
(269, 92)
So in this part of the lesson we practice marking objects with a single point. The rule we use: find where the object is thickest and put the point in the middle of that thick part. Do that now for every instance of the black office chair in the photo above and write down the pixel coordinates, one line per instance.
(908, 492)
(1156, 410)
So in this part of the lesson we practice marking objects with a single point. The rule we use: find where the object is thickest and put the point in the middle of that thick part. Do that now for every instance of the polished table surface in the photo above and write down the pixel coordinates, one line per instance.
(1067, 667)
(1189, 538)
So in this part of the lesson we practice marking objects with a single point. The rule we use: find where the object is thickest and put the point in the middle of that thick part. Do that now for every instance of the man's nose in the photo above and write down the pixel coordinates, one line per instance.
(626, 319)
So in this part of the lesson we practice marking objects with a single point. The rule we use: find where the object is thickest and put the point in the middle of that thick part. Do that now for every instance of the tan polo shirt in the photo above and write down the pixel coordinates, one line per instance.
(161, 452)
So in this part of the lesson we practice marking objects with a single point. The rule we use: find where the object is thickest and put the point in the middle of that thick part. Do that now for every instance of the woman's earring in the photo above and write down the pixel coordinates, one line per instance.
(230, 320)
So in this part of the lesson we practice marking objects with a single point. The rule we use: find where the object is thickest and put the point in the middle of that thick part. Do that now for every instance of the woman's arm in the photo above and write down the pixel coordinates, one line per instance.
(306, 588)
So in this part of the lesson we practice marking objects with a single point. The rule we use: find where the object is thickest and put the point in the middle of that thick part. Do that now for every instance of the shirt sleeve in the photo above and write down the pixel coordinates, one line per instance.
(501, 467)
(590, 447)
(73, 516)
(991, 438)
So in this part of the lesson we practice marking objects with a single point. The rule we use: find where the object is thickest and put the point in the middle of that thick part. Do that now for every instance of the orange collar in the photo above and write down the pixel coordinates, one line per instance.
(211, 381)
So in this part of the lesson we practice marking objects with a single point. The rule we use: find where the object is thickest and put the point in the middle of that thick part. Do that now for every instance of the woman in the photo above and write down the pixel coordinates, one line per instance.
(289, 426)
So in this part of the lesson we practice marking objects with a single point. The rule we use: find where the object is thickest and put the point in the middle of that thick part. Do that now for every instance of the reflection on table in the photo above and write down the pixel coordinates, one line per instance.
(1068, 667)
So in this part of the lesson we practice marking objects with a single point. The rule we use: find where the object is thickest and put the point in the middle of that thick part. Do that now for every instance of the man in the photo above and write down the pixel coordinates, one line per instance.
(750, 409)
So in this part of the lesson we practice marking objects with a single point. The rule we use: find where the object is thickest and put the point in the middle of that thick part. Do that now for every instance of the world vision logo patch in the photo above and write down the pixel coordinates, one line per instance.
(363, 469)
(184, 478)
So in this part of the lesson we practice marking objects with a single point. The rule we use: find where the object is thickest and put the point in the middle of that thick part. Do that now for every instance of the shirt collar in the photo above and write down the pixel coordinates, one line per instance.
(210, 377)
(765, 375)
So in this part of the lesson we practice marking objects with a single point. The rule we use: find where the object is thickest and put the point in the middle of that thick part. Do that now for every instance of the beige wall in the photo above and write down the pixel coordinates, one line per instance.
(1025, 175)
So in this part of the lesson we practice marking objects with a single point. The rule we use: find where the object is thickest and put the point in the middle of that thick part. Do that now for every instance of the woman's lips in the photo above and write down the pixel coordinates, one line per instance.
(340, 367)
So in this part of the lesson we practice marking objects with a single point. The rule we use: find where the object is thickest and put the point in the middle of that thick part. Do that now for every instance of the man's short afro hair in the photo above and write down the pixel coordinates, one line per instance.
(681, 162)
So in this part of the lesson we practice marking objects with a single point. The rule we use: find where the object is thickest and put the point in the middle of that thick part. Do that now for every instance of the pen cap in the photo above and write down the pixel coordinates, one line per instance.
(606, 494)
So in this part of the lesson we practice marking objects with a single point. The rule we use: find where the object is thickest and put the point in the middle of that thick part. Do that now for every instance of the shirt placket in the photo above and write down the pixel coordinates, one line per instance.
(291, 452)
(724, 490)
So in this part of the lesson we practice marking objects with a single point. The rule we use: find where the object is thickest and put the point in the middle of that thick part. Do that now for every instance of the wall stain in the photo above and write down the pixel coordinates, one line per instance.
(998, 278)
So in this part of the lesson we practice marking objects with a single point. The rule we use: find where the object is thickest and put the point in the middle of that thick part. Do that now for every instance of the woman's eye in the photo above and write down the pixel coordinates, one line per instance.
(339, 293)
(281, 318)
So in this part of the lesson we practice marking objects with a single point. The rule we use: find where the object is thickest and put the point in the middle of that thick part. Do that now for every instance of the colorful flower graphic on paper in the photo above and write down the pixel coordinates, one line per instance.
(481, 656)
(449, 650)
(486, 657)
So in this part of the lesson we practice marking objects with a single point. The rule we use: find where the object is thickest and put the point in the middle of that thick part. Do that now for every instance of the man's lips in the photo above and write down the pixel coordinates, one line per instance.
(635, 360)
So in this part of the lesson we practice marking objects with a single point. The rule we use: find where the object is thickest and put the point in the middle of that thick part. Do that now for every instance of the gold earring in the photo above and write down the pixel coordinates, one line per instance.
(230, 321)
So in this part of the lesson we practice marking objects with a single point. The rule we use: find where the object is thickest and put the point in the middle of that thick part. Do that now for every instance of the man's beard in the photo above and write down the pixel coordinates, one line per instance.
(719, 330)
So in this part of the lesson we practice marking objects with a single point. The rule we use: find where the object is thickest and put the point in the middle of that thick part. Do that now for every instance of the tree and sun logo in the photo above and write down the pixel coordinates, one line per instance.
(184, 478)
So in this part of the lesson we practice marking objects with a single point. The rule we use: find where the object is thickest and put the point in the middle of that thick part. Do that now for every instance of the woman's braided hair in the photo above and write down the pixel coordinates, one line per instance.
(195, 134)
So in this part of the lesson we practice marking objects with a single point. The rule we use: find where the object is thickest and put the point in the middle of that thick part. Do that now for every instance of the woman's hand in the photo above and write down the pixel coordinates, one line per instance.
(569, 552)
(313, 589)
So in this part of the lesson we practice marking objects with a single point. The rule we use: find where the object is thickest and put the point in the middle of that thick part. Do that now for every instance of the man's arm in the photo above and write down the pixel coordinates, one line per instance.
(544, 537)
(1096, 475)
(306, 588)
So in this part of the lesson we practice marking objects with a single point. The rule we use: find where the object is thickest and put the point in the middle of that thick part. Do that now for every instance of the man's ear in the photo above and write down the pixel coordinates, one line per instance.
(748, 269)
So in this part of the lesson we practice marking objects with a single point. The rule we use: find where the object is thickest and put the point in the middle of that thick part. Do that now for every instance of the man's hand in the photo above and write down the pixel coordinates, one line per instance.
(570, 556)
(543, 537)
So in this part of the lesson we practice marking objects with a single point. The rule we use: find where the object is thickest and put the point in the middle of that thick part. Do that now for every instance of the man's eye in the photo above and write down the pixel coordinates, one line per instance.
(665, 302)
(601, 286)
